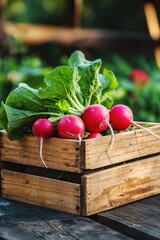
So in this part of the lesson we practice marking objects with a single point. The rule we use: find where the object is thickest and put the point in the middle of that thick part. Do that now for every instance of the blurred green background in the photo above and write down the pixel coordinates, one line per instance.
(96, 14)
(21, 63)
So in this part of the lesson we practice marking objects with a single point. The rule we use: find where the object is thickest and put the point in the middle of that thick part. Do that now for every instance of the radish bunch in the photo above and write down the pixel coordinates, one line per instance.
(95, 119)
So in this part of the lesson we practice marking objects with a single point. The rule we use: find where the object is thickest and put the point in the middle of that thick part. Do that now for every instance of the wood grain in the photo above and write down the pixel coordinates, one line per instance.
(119, 185)
(56, 194)
(99, 190)
(139, 220)
(57, 153)
(21, 221)
(127, 145)
(69, 155)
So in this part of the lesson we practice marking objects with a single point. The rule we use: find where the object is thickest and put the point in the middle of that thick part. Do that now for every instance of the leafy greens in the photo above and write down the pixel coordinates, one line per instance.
(68, 90)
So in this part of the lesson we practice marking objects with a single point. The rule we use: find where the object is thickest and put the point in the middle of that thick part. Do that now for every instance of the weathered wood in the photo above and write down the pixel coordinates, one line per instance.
(23, 221)
(119, 185)
(139, 220)
(41, 191)
(68, 155)
(120, 182)
(57, 153)
(127, 146)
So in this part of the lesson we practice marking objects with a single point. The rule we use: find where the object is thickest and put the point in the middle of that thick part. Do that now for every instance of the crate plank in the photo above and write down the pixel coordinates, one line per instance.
(57, 153)
(131, 171)
(119, 185)
(127, 145)
(69, 155)
(56, 194)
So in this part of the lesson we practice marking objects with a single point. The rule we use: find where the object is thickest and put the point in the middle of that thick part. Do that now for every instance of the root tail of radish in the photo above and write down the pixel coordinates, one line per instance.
(41, 152)
(79, 140)
(112, 137)
(145, 129)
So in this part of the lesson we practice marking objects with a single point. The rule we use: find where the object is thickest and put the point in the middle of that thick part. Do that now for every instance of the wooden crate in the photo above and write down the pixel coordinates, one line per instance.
(97, 180)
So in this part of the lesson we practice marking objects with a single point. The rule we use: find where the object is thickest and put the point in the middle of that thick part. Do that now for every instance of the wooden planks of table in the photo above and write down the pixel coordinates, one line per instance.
(138, 220)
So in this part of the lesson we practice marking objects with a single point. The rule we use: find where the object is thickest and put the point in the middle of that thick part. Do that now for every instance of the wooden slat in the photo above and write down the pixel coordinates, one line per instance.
(57, 153)
(140, 220)
(67, 155)
(33, 34)
(127, 145)
(56, 194)
(119, 185)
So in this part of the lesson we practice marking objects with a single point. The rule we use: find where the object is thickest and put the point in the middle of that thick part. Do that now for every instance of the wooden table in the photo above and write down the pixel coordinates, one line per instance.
(139, 220)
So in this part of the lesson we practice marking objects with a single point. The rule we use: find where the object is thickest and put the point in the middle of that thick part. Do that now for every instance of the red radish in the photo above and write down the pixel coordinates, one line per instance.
(94, 135)
(96, 119)
(71, 126)
(121, 117)
(139, 77)
(42, 128)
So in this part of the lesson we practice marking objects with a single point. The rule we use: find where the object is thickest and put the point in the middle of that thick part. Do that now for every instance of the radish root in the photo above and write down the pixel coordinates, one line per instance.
(79, 140)
(40, 152)
(112, 137)
(146, 129)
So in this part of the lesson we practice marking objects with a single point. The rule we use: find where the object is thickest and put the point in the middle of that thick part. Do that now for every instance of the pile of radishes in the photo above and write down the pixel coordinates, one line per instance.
(94, 120)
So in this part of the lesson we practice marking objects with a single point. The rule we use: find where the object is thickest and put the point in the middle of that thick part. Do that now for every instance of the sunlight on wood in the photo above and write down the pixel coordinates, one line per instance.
(157, 55)
(78, 4)
(152, 21)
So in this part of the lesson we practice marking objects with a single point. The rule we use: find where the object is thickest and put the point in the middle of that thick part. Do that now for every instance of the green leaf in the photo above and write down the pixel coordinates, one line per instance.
(3, 117)
(111, 77)
(19, 121)
(63, 105)
(59, 83)
(25, 97)
(77, 58)
(108, 102)
(88, 71)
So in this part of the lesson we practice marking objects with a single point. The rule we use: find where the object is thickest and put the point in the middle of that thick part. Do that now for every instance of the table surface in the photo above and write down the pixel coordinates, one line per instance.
(138, 220)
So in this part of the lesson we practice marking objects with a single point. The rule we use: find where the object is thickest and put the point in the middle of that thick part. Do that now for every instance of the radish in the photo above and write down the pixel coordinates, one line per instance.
(72, 127)
(42, 128)
(139, 77)
(121, 117)
(94, 135)
(96, 119)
